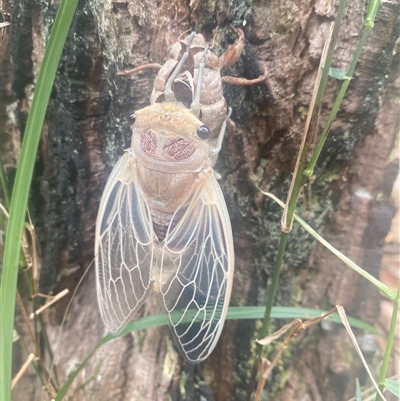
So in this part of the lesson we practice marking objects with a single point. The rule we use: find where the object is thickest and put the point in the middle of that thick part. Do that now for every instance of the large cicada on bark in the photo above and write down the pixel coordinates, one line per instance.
(163, 224)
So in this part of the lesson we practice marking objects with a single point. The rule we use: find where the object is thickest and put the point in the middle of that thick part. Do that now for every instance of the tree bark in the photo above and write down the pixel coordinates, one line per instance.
(85, 133)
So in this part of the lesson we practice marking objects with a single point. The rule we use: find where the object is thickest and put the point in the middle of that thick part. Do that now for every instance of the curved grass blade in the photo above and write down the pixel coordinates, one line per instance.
(234, 313)
(388, 292)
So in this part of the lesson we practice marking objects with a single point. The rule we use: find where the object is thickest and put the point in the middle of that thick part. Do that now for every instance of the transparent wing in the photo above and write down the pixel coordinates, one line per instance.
(197, 270)
(124, 247)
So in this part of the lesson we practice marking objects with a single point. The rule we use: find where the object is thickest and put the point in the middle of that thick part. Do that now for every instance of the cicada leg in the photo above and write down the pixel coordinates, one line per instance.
(195, 106)
(237, 81)
(233, 52)
(154, 66)
(169, 94)
(231, 56)
(215, 151)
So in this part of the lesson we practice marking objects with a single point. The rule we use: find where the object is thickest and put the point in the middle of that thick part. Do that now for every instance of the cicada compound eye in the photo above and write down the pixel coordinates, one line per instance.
(203, 132)
(131, 119)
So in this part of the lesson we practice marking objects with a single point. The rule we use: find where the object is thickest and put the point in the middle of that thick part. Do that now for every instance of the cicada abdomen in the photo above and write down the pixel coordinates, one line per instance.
(163, 226)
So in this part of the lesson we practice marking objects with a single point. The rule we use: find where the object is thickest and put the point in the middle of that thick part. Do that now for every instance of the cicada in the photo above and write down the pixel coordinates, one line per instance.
(163, 226)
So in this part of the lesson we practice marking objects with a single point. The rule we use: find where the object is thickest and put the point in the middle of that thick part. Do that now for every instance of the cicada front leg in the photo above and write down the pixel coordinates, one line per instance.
(231, 56)
(233, 52)
(196, 105)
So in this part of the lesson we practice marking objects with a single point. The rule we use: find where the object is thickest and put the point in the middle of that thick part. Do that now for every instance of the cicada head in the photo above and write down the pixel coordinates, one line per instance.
(168, 137)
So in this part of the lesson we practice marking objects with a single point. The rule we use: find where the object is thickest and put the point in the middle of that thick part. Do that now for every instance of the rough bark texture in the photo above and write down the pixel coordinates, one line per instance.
(85, 133)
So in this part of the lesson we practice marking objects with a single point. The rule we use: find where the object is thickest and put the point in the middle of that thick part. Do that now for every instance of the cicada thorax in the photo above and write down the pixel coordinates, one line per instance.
(168, 156)
(165, 138)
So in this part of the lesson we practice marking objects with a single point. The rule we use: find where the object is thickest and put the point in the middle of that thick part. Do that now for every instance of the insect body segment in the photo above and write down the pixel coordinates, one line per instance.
(163, 226)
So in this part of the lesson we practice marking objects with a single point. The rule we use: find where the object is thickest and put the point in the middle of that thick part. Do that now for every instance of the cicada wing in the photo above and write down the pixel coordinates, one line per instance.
(197, 271)
(124, 247)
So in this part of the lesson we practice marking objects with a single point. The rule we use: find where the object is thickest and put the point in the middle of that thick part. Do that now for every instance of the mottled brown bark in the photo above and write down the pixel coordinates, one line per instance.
(86, 133)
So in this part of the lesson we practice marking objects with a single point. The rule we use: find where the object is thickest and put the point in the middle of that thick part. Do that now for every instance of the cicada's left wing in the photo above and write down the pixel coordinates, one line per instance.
(124, 247)
(197, 270)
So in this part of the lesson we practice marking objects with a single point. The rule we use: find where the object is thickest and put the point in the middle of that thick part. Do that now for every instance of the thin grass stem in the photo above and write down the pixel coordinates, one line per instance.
(389, 344)
(368, 24)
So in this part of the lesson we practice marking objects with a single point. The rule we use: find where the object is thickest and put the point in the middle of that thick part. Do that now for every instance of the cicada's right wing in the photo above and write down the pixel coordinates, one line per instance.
(197, 271)
(124, 247)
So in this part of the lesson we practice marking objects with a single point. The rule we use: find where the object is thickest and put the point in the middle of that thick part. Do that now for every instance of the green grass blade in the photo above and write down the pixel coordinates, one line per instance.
(390, 342)
(20, 192)
(358, 390)
(234, 313)
(393, 386)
